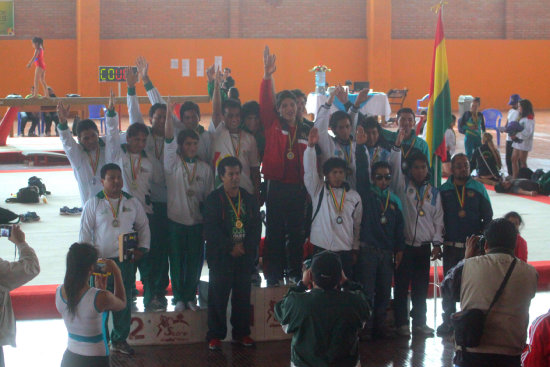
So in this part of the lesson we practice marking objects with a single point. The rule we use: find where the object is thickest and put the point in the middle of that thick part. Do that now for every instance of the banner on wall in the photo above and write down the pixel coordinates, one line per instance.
(6, 18)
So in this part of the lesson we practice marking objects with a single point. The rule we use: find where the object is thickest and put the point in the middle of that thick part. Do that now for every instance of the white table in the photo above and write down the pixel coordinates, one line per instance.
(377, 104)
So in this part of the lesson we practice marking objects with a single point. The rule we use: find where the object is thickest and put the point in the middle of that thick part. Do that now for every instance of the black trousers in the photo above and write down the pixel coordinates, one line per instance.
(285, 219)
(71, 359)
(509, 151)
(414, 270)
(50, 117)
(346, 258)
(33, 117)
(467, 359)
(220, 284)
(451, 257)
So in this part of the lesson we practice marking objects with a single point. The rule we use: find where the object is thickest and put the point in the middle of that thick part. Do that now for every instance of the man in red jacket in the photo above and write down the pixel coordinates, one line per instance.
(283, 169)
(537, 352)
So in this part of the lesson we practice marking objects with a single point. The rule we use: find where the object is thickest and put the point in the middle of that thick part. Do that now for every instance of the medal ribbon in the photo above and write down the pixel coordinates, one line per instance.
(339, 207)
(92, 164)
(190, 176)
(134, 169)
(423, 196)
(405, 155)
(115, 213)
(237, 149)
(291, 141)
(235, 210)
(460, 199)
(346, 155)
(387, 202)
(158, 153)
(375, 154)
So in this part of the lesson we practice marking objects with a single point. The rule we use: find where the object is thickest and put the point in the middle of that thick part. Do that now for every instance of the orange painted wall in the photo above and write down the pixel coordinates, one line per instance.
(60, 66)
(347, 57)
(497, 69)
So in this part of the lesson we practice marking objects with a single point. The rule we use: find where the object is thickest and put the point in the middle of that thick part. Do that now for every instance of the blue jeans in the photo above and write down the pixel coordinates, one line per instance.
(375, 274)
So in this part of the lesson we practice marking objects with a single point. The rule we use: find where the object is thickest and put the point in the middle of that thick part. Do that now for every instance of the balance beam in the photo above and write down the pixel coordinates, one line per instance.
(80, 101)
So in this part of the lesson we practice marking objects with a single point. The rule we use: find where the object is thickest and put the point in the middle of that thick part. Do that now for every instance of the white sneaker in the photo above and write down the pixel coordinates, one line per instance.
(192, 305)
(423, 329)
(403, 330)
(180, 306)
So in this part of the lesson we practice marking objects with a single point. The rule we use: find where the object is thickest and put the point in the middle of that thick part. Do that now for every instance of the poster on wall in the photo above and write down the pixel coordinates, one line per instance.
(6, 18)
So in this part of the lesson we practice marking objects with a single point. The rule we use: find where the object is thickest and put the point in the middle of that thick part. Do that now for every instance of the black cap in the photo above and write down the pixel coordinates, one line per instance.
(326, 269)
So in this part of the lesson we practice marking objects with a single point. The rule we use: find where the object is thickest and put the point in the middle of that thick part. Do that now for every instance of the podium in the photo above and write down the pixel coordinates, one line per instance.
(186, 327)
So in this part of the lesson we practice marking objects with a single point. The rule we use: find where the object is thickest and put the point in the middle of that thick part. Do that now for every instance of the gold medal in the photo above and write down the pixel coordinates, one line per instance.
(236, 210)
(421, 213)
(290, 156)
(115, 221)
(238, 224)
(461, 201)
(462, 213)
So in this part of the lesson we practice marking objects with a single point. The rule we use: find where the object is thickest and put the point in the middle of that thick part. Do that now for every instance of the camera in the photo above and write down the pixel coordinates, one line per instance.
(100, 268)
(5, 230)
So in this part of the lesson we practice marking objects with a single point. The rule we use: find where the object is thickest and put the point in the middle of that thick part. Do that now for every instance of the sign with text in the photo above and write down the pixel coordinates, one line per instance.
(113, 73)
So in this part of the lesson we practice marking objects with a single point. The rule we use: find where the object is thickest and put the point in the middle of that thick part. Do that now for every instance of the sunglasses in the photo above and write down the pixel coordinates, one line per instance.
(382, 177)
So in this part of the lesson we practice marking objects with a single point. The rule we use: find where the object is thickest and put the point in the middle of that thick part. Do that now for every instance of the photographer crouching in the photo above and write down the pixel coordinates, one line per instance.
(13, 275)
(495, 291)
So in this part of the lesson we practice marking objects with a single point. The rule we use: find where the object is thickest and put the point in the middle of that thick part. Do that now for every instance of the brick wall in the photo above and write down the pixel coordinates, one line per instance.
(528, 19)
(464, 19)
(49, 19)
(303, 19)
(126, 19)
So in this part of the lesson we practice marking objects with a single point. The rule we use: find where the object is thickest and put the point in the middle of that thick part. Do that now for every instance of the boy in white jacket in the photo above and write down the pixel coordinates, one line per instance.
(337, 209)
(189, 182)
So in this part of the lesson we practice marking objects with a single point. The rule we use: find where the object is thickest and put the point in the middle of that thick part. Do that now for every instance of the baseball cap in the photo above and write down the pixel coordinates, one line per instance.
(514, 98)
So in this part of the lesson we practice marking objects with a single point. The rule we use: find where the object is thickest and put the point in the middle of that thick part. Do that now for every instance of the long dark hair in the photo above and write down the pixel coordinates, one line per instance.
(526, 108)
(38, 41)
(80, 258)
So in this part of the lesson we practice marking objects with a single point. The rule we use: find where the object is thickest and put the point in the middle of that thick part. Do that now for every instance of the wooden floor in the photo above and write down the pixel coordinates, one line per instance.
(414, 352)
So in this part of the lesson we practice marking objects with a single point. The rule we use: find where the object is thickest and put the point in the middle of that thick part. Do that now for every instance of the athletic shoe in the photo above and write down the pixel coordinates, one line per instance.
(215, 344)
(180, 306)
(445, 329)
(66, 211)
(423, 330)
(155, 305)
(122, 347)
(403, 330)
(245, 341)
(29, 217)
(191, 305)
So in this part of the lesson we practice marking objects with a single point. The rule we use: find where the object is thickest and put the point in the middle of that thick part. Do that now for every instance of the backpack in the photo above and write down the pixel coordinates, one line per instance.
(26, 195)
(7, 216)
(36, 181)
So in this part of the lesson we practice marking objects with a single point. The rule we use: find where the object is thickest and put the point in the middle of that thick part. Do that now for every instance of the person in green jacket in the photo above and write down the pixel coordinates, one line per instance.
(326, 320)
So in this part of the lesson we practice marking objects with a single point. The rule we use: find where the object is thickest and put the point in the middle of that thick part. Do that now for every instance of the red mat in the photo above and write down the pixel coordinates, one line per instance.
(540, 198)
(38, 301)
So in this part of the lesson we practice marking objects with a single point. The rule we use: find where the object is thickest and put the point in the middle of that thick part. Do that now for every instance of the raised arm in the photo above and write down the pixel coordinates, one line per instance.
(362, 162)
(15, 274)
(170, 146)
(113, 151)
(217, 113)
(267, 98)
(70, 146)
(398, 181)
(134, 113)
(311, 176)
(107, 301)
(362, 96)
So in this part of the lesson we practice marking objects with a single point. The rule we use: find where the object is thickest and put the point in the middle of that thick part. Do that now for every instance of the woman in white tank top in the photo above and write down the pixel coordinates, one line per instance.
(83, 308)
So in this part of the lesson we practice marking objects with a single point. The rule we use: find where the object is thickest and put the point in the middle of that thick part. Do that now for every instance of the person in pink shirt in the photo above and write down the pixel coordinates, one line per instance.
(521, 245)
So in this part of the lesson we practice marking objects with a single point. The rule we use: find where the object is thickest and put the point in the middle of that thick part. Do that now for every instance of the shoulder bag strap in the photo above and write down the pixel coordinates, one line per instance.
(501, 289)
(318, 203)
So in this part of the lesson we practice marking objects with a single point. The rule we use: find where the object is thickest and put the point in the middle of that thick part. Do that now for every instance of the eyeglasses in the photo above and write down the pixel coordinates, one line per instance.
(382, 177)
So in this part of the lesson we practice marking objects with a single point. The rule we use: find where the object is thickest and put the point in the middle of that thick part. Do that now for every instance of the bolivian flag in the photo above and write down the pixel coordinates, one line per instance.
(439, 107)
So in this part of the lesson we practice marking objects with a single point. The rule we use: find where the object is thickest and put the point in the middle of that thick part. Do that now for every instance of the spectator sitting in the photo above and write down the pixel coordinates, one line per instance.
(486, 159)
(475, 282)
(325, 321)
(537, 351)
(521, 245)
(34, 117)
(13, 275)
